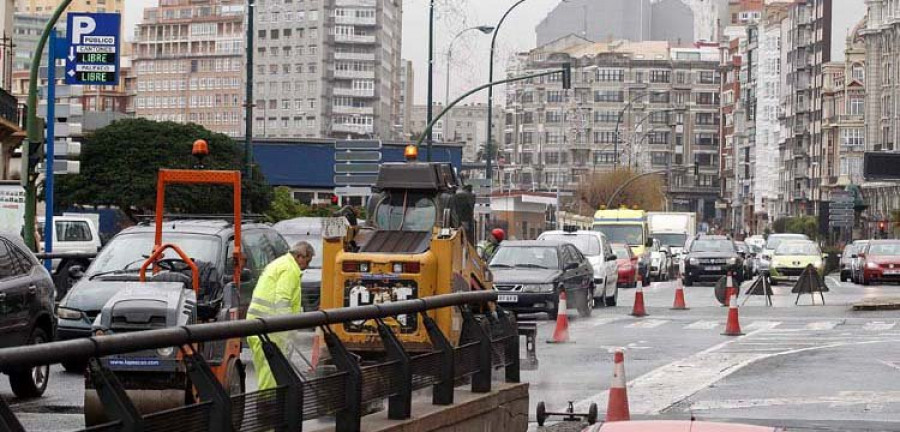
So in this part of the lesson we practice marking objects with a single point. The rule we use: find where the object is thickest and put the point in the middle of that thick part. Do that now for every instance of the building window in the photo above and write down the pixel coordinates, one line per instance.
(555, 96)
(554, 117)
(606, 116)
(707, 98)
(609, 96)
(658, 137)
(707, 119)
(706, 139)
(708, 77)
(858, 73)
(853, 139)
(857, 106)
(527, 117)
(604, 137)
(610, 75)
(660, 76)
(659, 158)
(659, 97)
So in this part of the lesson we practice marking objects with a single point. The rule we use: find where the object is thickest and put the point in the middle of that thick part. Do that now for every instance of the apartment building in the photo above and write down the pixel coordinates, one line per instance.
(663, 101)
(189, 62)
(843, 115)
(328, 69)
(881, 32)
(731, 124)
(407, 96)
(806, 47)
(466, 124)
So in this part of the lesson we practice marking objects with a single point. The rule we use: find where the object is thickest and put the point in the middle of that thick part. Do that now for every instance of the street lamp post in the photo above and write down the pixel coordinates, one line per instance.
(484, 29)
(619, 121)
(488, 175)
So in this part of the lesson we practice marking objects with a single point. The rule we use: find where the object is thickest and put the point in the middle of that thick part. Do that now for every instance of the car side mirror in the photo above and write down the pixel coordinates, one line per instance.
(611, 257)
(76, 272)
(649, 243)
(572, 266)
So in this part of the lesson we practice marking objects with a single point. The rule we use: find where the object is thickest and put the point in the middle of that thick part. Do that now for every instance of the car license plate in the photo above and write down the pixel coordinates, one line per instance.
(507, 299)
(793, 278)
(892, 272)
(712, 268)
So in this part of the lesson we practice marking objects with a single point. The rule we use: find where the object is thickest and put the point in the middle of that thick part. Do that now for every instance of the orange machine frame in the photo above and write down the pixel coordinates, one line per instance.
(173, 176)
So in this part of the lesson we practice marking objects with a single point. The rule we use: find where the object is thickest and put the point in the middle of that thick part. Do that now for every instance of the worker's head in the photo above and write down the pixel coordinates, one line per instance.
(498, 234)
(303, 252)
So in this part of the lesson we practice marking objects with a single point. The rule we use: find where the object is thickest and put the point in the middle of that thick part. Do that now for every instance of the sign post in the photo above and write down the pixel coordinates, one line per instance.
(93, 54)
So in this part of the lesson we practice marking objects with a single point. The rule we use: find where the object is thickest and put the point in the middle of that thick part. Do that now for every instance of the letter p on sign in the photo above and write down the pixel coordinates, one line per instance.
(84, 25)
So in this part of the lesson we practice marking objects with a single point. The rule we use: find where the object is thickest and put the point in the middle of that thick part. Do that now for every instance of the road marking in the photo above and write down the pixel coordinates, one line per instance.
(629, 347)
(822, 325)
(890, 364)
(647, 324)
(834, 281)
(702, 325)
(879, 326)
(603, 321)
(755, 325)
(872, 400)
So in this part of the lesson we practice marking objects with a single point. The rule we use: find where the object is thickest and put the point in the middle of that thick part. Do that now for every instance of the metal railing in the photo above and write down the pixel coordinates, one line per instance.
(487, 342)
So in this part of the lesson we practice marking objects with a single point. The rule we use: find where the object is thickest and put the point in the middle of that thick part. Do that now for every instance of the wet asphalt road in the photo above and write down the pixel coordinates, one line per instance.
(811, 366)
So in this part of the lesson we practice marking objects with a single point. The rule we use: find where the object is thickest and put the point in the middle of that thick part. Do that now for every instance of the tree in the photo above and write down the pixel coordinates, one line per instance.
(119, 165)
(646, 193)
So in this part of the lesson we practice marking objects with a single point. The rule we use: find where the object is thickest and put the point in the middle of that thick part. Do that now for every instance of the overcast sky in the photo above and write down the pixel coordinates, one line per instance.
(470, 53)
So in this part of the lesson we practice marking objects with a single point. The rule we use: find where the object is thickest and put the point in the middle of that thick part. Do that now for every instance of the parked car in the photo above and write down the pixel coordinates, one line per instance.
(880, 262)
(209, 243)
(709, 258)
(771, 243)
(660, 260)
(627, 264)
(792, 257)
(856, 261)
(308, 229)
(846, 262)
(746, 253)
(529, 276)
(756, 241)
(26, 311)
(71, 234)
(595, 247)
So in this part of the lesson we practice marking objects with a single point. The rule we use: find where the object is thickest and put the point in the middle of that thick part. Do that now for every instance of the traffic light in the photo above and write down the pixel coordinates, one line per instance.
(882, 226)
(567, 76)
(32, 153)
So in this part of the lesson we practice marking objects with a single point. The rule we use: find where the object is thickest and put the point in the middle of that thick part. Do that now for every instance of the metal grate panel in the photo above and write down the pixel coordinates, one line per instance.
(425, 369)
(380, 381)
(105, 427)
(467, 359)
(325, 395)
(262, 410)
(184, 419)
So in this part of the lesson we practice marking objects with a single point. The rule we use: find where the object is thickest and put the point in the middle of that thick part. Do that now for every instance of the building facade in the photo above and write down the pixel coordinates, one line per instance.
(644, 105)
(328, 69)
(465, 124)
(607, 20)
(189, 62)
(407, 96)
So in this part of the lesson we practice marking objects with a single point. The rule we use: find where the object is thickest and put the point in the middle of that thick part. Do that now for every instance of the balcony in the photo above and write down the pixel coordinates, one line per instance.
(360, 39)
(352, 20)
(354, 74)
(353, 110)
(356, 3)
(851, 118)
(352, 128)
(354, 56)
(367, 93)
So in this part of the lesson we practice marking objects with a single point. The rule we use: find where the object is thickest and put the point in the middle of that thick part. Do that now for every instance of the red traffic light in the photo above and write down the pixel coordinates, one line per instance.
(334, 200)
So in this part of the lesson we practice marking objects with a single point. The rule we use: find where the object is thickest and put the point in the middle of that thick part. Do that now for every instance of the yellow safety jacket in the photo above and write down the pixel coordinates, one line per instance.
(278, 290)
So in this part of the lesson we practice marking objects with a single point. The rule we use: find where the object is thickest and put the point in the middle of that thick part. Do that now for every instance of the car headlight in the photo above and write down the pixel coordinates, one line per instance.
(165, 351)
(537, 288)
(694, 261)
(871, 265)
(732, 261)
(817, 263)
(68, 314)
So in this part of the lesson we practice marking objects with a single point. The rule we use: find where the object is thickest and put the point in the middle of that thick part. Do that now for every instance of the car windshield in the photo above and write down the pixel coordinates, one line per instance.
(526, 257)
(704, 245)
(128, 251)
(586, 243)
(774, 241)
(405, 211)
(672, 240)
(315, 242)
(885, 249)
(632, 235)
(797, 248)
(621, 251)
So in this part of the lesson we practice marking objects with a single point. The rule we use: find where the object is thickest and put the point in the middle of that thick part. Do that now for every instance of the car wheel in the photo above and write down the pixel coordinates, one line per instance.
(585, 303)
(645, 282)
(611, 301)
(31, 382)
(75, 367)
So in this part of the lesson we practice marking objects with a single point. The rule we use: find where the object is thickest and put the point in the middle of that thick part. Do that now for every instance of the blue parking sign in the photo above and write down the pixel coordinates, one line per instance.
(93, 48)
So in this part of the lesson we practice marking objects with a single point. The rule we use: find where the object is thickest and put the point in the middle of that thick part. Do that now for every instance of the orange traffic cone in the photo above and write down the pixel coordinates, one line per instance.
(316, 353)
(729, 289)
(638, 309)
(733, 326)
(617, 407)
(561, 333)
(679, 297)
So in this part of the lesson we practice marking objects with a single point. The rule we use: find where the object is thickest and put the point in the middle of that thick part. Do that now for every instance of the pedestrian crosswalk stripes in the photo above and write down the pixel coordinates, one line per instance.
(879, 326)
(703, 325)
(647, 323)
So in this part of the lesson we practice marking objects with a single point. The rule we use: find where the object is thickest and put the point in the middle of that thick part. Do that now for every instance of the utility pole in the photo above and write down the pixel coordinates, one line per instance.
(429, 113)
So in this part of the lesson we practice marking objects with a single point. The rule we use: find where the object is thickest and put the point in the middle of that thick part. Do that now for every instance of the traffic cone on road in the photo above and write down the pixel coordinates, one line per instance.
(729, 289)
(679, 297)
(617, 407)
(733, 325)
(561, 333)
(638, 309)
